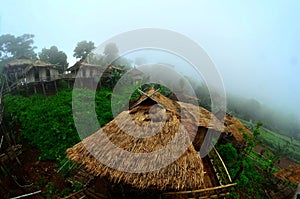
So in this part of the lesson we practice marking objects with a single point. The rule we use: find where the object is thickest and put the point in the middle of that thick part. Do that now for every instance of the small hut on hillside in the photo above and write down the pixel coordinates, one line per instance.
(34, 75)
(187, 174)
(136, 76)
(88, 73)
(236, 128)
(233, 131)
(14, 69)
(290, 174)
(24, 70)
(88, 70)
(40, 71)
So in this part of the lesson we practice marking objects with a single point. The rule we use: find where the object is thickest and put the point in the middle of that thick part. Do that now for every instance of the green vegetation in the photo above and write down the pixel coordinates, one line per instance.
(54, 56)
(83, 49)
(250, 183)
(12, 47)
(252, 111)
(47, 123)
(284, 145)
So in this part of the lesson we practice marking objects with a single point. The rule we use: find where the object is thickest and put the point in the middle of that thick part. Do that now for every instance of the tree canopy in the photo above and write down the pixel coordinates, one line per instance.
(111, 52)
(83, 48)
(54, 56)
(12, 47)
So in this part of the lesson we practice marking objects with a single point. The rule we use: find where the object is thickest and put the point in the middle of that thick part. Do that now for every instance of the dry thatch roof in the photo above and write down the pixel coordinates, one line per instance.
(236, 128)
(38, 63)
(291, 173)
(189, 112)
(156, 120)
(18, 62)
(162, 122)
(200, 116)
(28, 62)
(81, 63)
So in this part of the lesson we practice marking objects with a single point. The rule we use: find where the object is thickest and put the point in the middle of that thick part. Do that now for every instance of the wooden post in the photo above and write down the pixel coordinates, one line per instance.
(26, 89)
(44, 91)
(28, 194)
(92, 85)
(6, 82)
(55, 85)
(6, 135)
(34, 87)
(18, 161)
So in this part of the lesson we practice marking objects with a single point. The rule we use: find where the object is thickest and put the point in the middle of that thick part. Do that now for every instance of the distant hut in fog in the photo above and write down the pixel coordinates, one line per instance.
(88, 73)
(87, 70)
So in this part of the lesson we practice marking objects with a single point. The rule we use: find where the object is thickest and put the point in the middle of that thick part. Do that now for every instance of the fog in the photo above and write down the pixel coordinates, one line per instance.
(254, 45)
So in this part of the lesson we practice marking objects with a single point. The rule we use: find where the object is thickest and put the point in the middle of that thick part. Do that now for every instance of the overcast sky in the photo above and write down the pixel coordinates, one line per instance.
(254, 44)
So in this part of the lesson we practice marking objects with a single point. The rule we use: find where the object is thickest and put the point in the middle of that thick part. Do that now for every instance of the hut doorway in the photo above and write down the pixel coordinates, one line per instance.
(36, 75)
(48, 76)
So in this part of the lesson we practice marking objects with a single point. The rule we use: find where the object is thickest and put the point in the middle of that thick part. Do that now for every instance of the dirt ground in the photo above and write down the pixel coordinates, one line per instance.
(42, 175)
(283, 162)
(35, 175)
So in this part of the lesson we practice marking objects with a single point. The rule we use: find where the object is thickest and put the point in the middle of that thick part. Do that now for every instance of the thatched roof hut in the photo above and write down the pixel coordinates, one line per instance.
(30, 70)
(89, 70)
(291, 174)
(19, 62)
(155, 116)
(236, 128)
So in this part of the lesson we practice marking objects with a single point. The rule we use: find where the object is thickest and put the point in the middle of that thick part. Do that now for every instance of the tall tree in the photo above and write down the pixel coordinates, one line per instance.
(111, 52)
(14, 47)
(11, 46)
(83, 48)
(54, 56)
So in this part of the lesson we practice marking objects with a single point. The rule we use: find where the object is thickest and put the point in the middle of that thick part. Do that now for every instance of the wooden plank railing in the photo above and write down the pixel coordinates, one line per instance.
(219, 167)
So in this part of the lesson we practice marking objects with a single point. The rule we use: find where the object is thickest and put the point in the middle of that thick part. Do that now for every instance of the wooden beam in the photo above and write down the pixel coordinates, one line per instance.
(28, 194)
(215, 150)
(200, 190)
(55, 85)
(44, 91)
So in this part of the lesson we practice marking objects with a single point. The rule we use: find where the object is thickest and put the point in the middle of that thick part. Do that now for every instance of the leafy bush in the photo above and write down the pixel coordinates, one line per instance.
(250, 183)
(47, 123)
